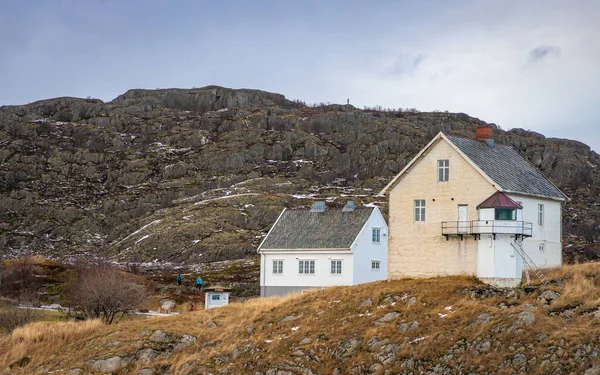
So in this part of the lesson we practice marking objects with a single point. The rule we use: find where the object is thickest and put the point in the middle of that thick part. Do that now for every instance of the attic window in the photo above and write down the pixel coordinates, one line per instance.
(443, 170)
(506, 214)
(376, 235)
(419, 209)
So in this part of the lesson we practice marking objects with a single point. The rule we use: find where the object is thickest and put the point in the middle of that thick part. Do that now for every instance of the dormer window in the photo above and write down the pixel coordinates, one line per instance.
(443, 170)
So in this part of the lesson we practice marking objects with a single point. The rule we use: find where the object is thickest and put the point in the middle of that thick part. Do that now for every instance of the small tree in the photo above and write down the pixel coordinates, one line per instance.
(588, 229)
(102, 291)
(19, 281)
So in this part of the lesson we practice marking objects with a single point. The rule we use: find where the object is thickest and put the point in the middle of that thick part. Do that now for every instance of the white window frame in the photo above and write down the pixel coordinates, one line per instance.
(306, 267)
(443, 170)
(374, 263)
(376, 235)
(540, 217)
(277, 266)
(419, 211)
(336, 266)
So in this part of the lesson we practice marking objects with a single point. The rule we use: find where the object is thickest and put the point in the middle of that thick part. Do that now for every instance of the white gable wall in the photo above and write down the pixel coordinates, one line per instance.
(549, 234)
(365, 250)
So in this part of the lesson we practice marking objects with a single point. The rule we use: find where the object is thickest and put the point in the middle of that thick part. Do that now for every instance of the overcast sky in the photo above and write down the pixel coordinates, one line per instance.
(528, 64)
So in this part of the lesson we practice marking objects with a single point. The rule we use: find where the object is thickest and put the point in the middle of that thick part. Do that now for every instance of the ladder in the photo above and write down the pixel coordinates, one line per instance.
(518, 246)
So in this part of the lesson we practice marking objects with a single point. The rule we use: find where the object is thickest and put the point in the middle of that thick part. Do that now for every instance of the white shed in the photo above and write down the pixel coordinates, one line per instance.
(216, 297)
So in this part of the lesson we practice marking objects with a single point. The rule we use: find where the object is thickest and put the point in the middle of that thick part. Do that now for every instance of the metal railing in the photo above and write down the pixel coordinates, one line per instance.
(493, 227)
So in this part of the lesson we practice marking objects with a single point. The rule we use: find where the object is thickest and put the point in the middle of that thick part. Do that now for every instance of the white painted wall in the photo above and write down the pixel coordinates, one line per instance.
(548, 234)
(291, 276)
(365, 250)
(223, 299)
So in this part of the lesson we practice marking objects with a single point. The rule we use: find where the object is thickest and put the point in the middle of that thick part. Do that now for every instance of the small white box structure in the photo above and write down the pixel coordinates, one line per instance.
(216, 297)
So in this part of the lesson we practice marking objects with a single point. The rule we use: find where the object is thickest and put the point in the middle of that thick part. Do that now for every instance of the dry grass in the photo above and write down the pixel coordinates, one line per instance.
(330, 317)
(43, 339)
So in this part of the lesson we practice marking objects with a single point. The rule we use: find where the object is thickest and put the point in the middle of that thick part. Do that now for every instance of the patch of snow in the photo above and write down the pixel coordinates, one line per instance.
(418, 339)
(295, 329)
(188, 217)
(225, 197)
(222, 110)
(303, 196)
(178, 150)
(139, 230)
(195, 242)
(143, 238)
(301, 161)
(448, 308)
(442, 315)
(268, 341)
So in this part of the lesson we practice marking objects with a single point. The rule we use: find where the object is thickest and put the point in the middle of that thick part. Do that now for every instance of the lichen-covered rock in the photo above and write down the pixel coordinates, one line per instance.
(387, 318)
(110, 365)
(159, 336)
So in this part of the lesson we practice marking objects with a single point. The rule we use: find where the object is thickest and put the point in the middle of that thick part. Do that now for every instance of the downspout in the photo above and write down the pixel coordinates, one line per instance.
(264, 273)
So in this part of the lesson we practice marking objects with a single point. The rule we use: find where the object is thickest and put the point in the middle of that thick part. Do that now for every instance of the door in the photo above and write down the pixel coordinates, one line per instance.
(463, 222)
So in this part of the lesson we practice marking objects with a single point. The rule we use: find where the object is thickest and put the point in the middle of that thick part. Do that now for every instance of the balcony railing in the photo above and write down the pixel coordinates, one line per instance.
(476, 228)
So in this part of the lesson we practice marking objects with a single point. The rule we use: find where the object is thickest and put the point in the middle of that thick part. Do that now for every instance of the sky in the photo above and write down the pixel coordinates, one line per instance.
(531, 64)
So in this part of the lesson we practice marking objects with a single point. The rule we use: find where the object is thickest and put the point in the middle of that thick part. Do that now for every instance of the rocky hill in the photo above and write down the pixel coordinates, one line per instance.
(450, 325)
(197, 175)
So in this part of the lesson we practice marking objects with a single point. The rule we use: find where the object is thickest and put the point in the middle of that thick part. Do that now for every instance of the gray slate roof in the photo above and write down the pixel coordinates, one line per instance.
(507, 168)
(302, 229)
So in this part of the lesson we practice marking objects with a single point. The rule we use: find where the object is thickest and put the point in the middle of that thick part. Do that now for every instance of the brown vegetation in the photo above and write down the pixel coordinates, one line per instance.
(463, 326)
(102, 291)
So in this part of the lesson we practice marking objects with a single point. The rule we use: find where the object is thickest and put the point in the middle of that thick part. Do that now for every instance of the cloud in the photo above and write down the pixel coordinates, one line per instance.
(542, 52)
(406, 64)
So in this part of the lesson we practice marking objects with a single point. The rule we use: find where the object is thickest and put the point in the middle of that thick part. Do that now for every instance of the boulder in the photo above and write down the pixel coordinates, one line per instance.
(167, 307)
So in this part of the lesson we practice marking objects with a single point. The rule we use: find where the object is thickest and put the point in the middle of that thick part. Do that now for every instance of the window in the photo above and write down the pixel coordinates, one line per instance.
(336, 266)
(443, 170)
(306, 266)
(541, 247)
(420, 210)
(540, 214)
(375, 265)
(215, 297)
(506, 214)
(376, 235)
(278, 266)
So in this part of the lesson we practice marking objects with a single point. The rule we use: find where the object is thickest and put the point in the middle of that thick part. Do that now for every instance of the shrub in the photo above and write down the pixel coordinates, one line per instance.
(102, 291)
(12, 317)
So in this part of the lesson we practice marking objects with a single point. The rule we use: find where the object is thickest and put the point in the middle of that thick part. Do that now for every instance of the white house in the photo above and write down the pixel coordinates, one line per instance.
(321, 247)
(470, 206)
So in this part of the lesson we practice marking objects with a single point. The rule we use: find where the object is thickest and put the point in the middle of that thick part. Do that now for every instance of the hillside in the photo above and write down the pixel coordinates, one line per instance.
(437, 326)
(199, 175)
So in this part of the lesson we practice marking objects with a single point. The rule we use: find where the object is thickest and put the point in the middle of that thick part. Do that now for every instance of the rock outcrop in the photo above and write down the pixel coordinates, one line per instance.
(197, 175)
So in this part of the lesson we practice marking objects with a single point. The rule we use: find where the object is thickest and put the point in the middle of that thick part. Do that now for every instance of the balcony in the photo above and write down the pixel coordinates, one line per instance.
(476, 228)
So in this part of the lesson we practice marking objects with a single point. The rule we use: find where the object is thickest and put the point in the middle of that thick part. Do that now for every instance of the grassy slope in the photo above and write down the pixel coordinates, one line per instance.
(251, 336)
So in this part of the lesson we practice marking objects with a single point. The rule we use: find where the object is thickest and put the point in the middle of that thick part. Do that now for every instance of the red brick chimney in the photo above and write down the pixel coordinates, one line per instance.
(485, 133)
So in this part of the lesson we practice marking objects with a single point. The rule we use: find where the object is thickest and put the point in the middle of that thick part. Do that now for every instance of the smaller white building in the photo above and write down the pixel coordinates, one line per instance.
(319, 247)
(216, 297)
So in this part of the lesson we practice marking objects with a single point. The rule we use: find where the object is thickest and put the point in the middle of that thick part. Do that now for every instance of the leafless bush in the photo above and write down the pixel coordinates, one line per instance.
(102, 291)
(12, 317)
(19, 281)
